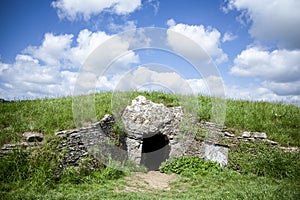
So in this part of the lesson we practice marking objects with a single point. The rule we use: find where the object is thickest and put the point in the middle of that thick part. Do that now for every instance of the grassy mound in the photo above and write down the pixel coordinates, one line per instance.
(255, 170)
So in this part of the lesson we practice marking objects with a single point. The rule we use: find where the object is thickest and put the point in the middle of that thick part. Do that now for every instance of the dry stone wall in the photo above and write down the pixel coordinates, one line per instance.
(80, 143)
(154, 133)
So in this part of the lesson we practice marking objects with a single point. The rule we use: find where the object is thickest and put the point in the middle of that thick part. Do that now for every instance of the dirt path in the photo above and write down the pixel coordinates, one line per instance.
(146, 182)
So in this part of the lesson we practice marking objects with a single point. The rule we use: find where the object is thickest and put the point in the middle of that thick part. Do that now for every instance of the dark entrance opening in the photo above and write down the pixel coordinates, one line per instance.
(155, 150)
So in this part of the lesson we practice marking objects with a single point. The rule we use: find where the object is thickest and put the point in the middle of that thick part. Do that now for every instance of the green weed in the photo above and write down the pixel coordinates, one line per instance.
(189, 166)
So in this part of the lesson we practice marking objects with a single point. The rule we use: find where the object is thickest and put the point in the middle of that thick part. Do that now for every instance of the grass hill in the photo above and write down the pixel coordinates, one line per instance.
(255, 171)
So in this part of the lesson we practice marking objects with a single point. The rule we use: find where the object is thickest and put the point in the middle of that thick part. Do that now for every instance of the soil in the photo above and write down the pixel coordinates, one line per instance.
(147, 182)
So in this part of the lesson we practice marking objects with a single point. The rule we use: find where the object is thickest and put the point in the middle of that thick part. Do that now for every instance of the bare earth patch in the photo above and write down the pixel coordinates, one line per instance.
(147, 182)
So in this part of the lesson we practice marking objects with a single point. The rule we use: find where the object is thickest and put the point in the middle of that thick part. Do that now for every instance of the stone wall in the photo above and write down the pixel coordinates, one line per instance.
(154, 133)
(92, 141)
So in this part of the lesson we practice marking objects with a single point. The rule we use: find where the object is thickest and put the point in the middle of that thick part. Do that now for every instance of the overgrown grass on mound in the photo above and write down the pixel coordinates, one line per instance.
(264, 160)
(281, 122)
(265, 172)
(47, 116)
(26, 175)
(211, 182)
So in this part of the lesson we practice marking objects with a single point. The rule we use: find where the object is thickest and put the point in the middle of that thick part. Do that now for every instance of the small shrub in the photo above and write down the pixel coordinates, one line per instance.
(189, 166)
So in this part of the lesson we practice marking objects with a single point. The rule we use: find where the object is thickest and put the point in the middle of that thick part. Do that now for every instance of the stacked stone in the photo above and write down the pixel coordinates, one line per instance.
(92, 140)
(30, 140)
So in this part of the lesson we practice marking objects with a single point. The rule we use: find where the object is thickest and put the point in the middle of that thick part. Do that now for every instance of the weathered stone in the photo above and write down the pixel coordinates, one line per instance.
(291, 149)
(134, 149)
(259, 135)
(144, 119)
(228, 134)
(92, 141)
(66, 133)
(250, 139)
(271, 142)
(216, 152)
(246, 134)
(9, 148)
(33, 136)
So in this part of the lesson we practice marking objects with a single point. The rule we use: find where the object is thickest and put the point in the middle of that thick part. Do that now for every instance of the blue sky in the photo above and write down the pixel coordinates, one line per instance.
(255, 44)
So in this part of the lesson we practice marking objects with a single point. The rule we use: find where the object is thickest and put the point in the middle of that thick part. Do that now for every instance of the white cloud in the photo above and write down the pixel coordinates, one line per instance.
(279, 70)
(212, 86)
(56, 50)
(128, 25)
(53, 49)
(148, 78)
(26, 78)
(171, 22)
(155, 5)
(87, 42)
(51, 68)
(283, 89)
(208, 38)
(271, 20)
(228, 37)
(123, 7)
(74, 9)
(259, 93)
(278, 65)
(144, 78)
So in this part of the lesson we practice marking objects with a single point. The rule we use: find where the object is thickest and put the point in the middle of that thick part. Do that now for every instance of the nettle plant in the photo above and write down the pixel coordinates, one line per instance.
(189, 166)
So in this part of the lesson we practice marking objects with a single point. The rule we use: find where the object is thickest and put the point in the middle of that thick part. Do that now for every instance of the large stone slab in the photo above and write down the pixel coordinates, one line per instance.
(216, 152)
(145, 119)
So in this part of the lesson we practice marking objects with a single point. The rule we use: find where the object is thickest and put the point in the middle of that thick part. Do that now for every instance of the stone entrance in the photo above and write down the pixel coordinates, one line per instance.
(152, 132)
(155, 150)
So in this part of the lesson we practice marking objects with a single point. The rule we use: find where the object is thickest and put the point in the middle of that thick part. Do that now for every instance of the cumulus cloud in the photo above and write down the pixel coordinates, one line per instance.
(207, 37)
(53, 49)
(56, 50)
(87, 42)
(74, 9)
(279, 69)
(271, 20)
(259, 93)
(283, 89)
(27, 78)
(51, 69)
(211, 86)
(144, 78)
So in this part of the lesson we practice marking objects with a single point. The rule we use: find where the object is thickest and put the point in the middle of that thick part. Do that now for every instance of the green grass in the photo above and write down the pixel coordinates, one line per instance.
(262, 159)
(255, 170)
(220, 185)
(281, 122)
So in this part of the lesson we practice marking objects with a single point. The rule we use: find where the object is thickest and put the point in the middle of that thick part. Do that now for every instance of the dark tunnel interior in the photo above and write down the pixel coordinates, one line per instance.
(155, 150)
